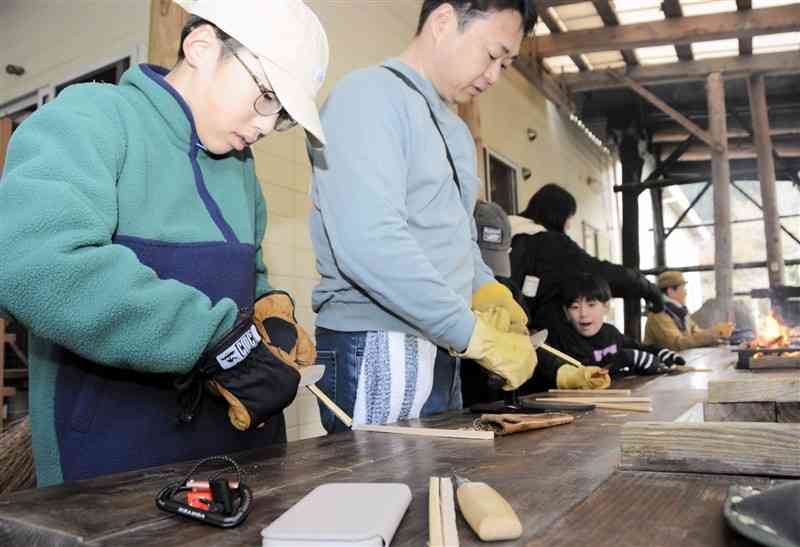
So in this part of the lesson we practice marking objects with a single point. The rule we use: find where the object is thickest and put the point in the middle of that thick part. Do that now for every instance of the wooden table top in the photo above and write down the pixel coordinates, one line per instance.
(562, 482)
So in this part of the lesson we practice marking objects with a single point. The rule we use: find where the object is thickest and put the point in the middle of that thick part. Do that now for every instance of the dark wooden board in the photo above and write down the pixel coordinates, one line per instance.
(788, 412)
(639, 508)
(543, 474)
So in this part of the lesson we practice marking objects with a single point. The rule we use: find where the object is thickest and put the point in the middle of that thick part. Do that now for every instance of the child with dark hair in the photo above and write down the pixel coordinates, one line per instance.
(586, 336)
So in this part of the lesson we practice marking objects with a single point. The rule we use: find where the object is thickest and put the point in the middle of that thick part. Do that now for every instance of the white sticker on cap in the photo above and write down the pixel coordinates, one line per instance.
(531, 286)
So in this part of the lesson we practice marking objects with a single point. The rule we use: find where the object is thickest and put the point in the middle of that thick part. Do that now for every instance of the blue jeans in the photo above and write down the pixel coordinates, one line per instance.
(342, 353)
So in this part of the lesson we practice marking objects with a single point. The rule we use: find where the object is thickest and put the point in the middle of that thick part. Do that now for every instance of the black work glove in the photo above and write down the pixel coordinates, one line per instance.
(254, 381)
(637, 361)
(670, 358)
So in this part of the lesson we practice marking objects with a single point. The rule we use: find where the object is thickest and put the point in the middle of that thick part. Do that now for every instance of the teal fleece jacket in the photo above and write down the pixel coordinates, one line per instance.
(98, 161)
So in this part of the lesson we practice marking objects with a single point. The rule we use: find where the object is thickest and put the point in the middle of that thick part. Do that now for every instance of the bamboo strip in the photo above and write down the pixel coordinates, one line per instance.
(428, 432)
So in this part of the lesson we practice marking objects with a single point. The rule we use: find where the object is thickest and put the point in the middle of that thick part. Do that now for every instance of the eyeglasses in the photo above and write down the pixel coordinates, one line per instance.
(267, 104)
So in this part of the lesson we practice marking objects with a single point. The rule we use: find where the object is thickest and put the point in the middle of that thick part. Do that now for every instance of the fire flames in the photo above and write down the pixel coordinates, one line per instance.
(773, 334)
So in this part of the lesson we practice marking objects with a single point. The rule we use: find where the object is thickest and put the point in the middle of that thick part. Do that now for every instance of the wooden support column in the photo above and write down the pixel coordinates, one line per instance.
(5, 136)
(659, 241)
(631, 176)
(721, 178)
(166, 22)
(756, 89)
(471, 114)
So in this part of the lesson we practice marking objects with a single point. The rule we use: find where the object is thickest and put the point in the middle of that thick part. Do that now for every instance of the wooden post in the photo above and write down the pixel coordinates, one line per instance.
(756, 89)
(166, 22)
(5, 136)
(721, 177)
(471, 114)
(657, 201)
(631, 176)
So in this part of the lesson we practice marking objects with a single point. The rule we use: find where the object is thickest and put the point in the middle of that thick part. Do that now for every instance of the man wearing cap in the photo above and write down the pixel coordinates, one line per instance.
(673, 328)
(404, 290)
(131, 248)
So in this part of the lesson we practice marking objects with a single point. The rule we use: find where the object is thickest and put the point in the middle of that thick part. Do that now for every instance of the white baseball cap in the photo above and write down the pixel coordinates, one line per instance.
(289, 42)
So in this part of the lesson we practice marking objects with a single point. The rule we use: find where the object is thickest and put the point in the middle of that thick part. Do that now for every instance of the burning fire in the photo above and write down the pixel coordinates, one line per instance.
(773, 334)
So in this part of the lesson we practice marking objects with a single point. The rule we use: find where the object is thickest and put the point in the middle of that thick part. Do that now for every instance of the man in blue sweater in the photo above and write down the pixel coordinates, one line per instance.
(404, 292)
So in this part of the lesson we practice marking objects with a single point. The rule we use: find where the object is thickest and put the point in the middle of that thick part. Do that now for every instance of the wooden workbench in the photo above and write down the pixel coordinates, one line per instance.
(563, 482)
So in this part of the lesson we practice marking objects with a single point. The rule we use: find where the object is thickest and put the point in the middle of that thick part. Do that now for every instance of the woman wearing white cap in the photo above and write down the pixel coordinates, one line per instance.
(131, 237)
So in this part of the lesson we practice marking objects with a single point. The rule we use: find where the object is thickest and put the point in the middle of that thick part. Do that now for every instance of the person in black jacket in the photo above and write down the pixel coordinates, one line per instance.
(543, 255)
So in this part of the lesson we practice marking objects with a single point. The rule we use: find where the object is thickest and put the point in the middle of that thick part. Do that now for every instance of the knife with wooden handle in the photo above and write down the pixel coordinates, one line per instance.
(487, 512)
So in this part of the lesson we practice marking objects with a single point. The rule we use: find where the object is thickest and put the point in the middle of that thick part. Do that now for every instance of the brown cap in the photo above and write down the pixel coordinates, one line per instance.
(670, 279)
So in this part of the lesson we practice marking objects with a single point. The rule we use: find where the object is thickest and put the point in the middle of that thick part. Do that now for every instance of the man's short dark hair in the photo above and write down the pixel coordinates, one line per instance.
(550, 207)
(587, 286)
(470, 9)
(194, 22)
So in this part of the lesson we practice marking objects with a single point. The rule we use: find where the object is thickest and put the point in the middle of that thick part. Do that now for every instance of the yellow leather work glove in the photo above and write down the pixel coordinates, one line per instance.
(722, 330)
(274, 318)
(495, 294)
(510, 355)
(571, 377)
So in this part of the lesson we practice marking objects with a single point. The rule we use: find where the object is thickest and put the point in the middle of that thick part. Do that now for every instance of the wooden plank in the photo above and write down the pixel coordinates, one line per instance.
(721, 177)
(428, 432)
(598, 399)
(687, 124)
(757, 92)
(765, 449)
(787, 62)
(693, 415)
(788, 413)
(769, 361)
(530, 66)
(637, 508)
(781, 390)
(166, 22)
(740, 412)
(683, 30)
(588, 392)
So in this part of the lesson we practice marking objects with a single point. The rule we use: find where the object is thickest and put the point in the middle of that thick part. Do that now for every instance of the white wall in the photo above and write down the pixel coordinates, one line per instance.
(56, 40)
(54, 44)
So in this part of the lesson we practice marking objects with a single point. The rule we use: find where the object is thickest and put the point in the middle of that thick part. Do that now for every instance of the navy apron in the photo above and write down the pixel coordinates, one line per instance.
(110, 420)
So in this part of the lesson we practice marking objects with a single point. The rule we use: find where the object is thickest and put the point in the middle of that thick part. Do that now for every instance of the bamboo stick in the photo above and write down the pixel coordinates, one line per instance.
(447, 500)
(428, 432)
(562, 355)
(333, 407)
(435, 532)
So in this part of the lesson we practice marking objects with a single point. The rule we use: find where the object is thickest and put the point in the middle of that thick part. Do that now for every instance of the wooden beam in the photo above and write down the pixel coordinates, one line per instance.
(721, 178)
(552, 26)
(166, 22)
(689, 125)
(679, 135)
(534, 72)
(672, 10)
(756, 90)
(737, 150)
(609, 17)
(745, 44)
(781, 390)
(736, 448)
(786, 62)
(683, 30)
(788, 413)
